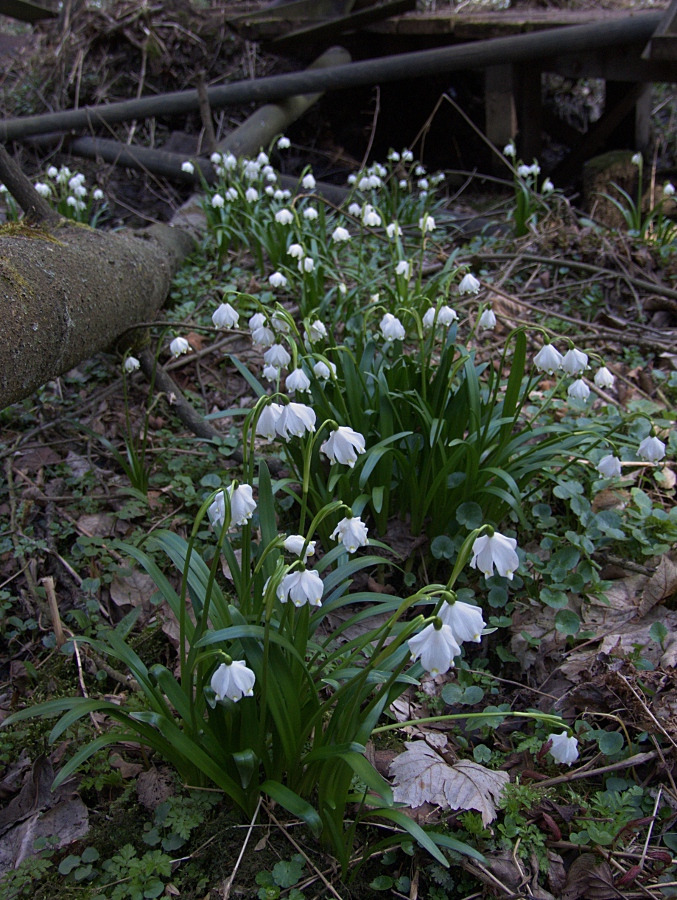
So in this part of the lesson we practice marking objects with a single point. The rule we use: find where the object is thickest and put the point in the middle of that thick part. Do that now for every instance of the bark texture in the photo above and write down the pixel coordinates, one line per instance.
(70, 291)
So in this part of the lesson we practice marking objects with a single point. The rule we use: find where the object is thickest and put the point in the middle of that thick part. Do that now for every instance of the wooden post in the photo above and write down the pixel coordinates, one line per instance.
(529, 111)
(500, 113)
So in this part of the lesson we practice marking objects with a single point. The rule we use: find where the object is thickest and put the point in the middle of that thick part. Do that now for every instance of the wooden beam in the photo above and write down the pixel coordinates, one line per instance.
(25, 11)
(398, 67)
(499, 111)
(663, 43)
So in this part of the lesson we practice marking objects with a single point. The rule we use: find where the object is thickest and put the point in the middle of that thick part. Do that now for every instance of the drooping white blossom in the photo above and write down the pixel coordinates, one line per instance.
(297, 381)
(277, 279)
(277, 356)
(564, 748)
(132, 364)
(179, 346)
(233, 681)
(651, 449)
(284, 216)
(301, 587)
(574, 361)
(469, 284)
(466, 621)
(266, 425)
(352, 532)
(604, 378)
(487, 319)
(391, 328)
(578, 390)
(324, 371)
(317, 331)
(188, 167)
(344, 445)
(340, 235)
(294, 420)
(295, 544)
(495, 551)
(609, 466)
(435, 647)
(225, 316)
(548, 359)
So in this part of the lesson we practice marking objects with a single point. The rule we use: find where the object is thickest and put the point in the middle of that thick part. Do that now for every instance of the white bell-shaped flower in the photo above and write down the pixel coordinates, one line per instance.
(340, 234)
(277, 356)
(263, 337)
(426, 223)
(564, 748)
(178, 346)
(651, 449)
(469, 284)
(344, 445)
(497, 551)
(578, 390)
(391, 328)
(466, 621)
(295, 419)
(574, 361)
(280, 322)
(284, 216)
(188, 167)
(233, 681)
(266, 425)
(324, 371)
(403, 268)
(132, 364)
(301, 587)
(308, 182)
(251, 195)
(609, 466)
(283, 143)
(310, 213)
(548, 359)
(297, 381)
(270, 373)
(296, 251)
(277, 279)
(295, 544)
(225, 316)
(317, 331)
(352, 532)
(487, 319)
(435, 647)
(604, 378)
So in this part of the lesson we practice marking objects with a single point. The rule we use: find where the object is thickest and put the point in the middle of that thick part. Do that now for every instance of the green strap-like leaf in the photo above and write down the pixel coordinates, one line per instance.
(294, 804)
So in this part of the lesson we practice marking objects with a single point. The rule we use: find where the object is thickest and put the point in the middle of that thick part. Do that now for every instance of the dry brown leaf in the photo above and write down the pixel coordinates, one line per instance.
(422, 776)
(610, 499)
(591, 879)
(155, 786)
(661, 585)
(99, 524)
(32, 460)
(134, 589)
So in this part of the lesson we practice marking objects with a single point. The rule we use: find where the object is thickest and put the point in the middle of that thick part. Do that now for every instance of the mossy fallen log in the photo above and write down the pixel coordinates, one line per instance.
(67, 291)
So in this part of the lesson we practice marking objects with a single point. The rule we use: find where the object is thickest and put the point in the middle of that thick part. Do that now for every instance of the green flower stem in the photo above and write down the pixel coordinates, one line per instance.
(552, 721)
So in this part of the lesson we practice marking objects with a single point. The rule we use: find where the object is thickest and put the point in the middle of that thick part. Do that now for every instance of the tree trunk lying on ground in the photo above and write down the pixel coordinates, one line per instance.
(67, 291)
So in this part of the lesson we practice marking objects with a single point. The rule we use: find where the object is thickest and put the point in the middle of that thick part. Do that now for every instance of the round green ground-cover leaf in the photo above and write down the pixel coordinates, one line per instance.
(567, 622)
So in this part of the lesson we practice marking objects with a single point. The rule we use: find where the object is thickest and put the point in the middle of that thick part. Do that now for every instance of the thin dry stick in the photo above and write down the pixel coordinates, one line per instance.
(637, 760)
(646, 709)
(374, 122)
(642, 858)
(228, 883)
(48, 583)
(330, 887)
